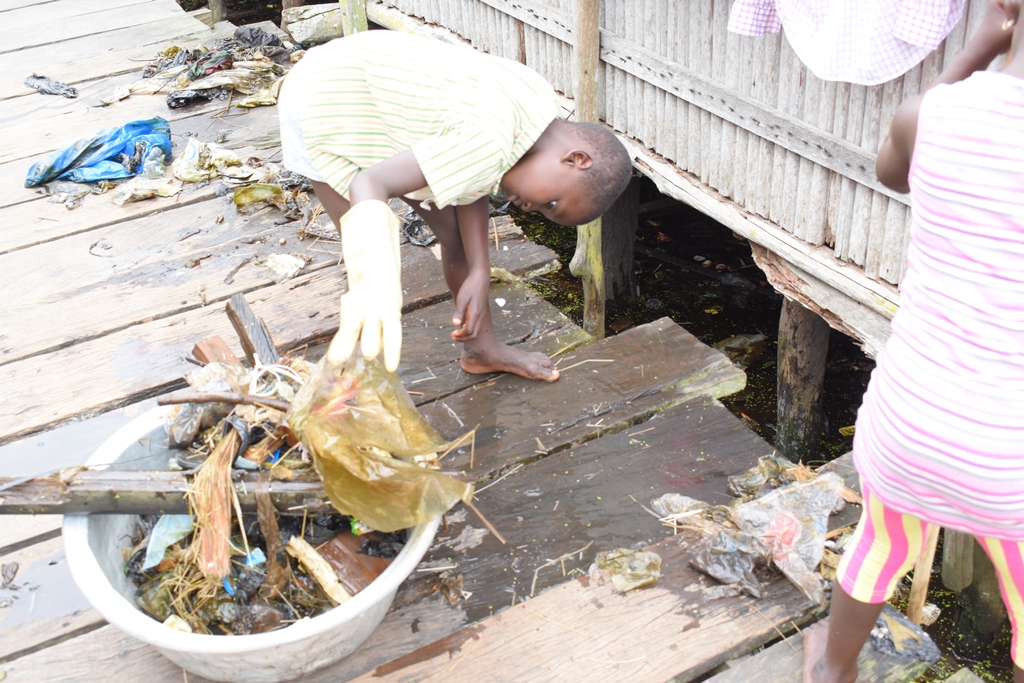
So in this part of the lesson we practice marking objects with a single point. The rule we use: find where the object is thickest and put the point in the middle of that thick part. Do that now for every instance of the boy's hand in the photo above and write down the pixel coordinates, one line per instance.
(471, 304)
(371, 310)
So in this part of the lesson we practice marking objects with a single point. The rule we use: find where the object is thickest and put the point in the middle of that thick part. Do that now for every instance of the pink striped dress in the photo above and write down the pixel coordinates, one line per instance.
(940, 434)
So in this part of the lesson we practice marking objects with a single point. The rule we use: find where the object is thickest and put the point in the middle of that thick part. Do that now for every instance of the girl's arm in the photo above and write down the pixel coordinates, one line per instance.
(990, 40)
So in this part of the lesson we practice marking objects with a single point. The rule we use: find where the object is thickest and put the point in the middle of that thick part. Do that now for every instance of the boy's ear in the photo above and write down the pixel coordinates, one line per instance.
(578, 159)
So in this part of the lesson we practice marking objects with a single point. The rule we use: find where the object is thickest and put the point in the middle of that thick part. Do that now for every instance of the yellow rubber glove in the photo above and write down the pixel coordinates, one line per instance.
(371, 309)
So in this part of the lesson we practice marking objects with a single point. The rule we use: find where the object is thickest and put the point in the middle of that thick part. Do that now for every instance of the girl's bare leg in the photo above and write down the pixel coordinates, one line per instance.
(831, 646)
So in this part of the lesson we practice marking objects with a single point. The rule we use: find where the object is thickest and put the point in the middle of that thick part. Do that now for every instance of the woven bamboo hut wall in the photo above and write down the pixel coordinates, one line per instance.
(736, 126)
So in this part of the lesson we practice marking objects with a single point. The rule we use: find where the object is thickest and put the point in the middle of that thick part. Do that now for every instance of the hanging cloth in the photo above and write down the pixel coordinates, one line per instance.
(859, 41)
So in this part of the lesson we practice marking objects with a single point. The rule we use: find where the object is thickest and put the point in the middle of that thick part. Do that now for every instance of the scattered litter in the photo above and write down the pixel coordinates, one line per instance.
(203, 160)
(110, 154)
(630, 569)
(142, 187)
(50, 86)
(168, 531)
(897, 636)
(742, 349)
(285, 266)
(782, 522)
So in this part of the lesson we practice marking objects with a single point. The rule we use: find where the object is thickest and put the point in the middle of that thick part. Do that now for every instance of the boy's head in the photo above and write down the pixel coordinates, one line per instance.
(572, 174)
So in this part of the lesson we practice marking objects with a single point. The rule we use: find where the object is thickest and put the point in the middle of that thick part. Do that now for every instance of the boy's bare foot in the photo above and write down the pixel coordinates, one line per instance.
(815, 667)
(502, 358)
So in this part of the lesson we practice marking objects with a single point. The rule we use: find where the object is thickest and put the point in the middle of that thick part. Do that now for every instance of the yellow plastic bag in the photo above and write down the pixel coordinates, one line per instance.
(358, 422)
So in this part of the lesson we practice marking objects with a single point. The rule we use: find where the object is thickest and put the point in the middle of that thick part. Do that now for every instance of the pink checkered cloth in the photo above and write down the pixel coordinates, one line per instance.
(859, 41)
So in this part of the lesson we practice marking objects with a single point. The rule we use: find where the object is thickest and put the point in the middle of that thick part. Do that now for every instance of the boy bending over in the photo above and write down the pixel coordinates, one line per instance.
(383, 114)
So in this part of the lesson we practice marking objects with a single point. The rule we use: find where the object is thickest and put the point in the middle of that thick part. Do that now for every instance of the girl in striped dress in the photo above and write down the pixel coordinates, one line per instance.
(940, 435)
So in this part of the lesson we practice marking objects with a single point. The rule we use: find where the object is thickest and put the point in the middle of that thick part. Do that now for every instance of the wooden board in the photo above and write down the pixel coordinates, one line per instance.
(784, 661)
(146, 359)
(20, 531)
(46, 606)
(46, 60)
(108, 63)
(44, 134)
(591, 496)
(583, 630)
(59, 21)
(254, 134)
(605, 386)
(139, 269)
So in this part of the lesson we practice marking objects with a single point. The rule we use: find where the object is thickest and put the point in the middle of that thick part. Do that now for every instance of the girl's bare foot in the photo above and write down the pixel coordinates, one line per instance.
(502, 358)
(816, 668)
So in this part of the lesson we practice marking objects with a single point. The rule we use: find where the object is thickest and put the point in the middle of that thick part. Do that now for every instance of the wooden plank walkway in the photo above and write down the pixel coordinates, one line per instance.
(101, 312)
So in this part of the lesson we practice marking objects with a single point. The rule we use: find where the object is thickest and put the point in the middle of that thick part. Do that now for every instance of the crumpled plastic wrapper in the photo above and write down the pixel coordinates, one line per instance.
(358, 423)
(203, 161)
(630, 569)
(791, 523)
(186, 420)
(785, 527)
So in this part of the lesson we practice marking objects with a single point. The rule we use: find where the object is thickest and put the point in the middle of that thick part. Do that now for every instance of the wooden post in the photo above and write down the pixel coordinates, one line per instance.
(219, 9)
(618, 233)
(587, 263)
(353, 16)
(803, 345)
(922, 575)
(957, 560)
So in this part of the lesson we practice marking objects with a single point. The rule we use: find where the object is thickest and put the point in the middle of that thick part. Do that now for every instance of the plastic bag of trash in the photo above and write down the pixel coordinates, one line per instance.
(791, 523)
(104, 155)
(358, 423)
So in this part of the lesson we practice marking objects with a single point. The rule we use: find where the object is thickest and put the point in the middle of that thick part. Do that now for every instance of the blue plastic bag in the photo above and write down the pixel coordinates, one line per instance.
(98, 157)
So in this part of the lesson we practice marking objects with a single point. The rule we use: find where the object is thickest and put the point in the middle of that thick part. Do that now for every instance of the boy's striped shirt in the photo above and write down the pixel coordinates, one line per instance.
(467, 116)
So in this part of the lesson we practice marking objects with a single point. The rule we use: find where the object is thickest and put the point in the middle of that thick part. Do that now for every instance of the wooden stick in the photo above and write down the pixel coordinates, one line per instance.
(483, 519)
(141, 492)
(922, 575)
(494, 224)
(227, 397)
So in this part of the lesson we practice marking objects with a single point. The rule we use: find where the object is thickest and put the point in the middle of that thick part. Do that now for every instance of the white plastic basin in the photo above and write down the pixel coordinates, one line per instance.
(93, 545)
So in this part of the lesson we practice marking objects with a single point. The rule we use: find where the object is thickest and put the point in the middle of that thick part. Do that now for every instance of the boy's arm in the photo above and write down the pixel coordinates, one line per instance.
(371, 309)
(471, 301)
(989, 41)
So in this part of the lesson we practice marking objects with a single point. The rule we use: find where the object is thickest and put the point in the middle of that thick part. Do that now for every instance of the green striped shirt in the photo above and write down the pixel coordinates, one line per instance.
(467, 116)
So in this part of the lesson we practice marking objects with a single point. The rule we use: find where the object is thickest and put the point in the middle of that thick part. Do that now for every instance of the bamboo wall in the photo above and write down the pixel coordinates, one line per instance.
(742, 114)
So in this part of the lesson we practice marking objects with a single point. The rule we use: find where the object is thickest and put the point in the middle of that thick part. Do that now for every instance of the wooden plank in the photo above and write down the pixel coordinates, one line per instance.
(47, 21)
(254, 134)
(147, 359)
(138, 269)
(583, 630)
(87, 25)
(784, 661)
(589, 496)
(45, 59)
(116, 62)
(603, 386)
(45, 606)
(8, 5)
(20, 531)
(818, 261)
(867, 326)
(42, 135)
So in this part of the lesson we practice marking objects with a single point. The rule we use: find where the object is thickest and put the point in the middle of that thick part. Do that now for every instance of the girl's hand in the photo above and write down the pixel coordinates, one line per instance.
(471, 305)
